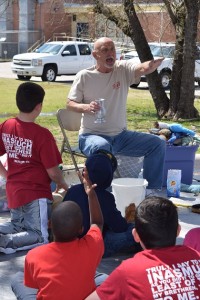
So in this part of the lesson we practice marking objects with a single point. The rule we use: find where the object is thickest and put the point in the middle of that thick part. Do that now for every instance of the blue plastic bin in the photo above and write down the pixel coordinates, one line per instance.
(181, 158)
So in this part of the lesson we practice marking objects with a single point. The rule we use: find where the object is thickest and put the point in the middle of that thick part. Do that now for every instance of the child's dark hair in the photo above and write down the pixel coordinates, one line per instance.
(156, 222)
(28, 95)
(66, 221)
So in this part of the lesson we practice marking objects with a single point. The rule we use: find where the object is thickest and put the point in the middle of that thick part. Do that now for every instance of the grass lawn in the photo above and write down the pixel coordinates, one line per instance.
(141, 112)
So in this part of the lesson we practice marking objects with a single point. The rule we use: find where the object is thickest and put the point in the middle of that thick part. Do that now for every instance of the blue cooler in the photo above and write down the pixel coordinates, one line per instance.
(181, 158)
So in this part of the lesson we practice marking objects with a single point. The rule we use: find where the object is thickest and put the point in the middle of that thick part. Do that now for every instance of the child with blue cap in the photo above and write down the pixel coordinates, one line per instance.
(117, 232)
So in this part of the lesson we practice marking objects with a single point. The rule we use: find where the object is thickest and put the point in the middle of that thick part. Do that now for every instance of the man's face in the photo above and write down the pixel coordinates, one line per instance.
(105, 54)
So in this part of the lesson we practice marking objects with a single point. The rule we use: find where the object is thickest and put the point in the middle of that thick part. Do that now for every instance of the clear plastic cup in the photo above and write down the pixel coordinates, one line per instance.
(100, 114)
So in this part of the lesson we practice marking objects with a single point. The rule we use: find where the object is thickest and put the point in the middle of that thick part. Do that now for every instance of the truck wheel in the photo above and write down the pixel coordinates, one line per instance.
(22, 77)
(165, 79)
(49, 74)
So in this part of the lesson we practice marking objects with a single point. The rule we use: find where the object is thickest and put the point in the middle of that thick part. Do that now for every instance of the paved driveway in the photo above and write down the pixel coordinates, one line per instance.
(5, 72)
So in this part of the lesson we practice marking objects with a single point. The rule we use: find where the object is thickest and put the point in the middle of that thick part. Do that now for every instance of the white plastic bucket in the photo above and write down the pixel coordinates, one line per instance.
(128, 190)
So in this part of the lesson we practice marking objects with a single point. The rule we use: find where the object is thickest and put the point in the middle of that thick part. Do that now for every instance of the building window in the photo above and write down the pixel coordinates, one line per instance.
(82, 29)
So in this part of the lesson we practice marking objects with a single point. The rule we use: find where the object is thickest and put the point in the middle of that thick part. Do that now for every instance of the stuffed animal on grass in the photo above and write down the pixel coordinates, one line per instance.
(174, 133)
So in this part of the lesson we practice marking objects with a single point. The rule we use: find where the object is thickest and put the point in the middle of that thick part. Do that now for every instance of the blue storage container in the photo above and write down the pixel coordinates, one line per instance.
(181, 158)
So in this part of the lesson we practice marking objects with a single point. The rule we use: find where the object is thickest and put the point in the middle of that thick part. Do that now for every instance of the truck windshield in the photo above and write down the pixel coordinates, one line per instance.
(49, 48)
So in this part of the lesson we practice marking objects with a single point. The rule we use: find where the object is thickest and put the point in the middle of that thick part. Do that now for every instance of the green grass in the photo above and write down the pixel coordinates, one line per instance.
(141, 111)
(55, 97)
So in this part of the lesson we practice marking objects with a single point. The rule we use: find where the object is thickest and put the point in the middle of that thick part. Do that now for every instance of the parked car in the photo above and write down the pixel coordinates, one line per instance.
(133, 53)
(53, 59)
(165, 69)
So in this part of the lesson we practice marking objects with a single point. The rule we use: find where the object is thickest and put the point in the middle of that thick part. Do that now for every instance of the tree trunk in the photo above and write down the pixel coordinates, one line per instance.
(182, 91)
(158, 94)
(178, 62)
(186, 107)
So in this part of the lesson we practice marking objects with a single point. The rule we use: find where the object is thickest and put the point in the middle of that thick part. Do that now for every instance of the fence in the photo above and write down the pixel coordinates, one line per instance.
(14, 41)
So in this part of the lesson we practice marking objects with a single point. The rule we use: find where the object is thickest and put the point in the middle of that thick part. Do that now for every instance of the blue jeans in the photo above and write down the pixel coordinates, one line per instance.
(115, 242)
(131, 143)
(28, 227)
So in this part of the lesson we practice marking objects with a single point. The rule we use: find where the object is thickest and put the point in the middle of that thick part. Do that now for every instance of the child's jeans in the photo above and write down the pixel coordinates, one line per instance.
(28, 227)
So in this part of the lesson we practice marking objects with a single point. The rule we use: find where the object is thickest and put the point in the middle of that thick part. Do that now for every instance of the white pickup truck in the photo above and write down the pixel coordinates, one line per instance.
(53, 59)
(165, 50)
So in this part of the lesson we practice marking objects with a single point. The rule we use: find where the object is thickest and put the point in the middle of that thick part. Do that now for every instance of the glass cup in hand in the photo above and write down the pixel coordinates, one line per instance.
(100, 114)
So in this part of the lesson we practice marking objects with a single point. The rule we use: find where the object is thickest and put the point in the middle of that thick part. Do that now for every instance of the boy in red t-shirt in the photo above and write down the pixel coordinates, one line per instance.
(65, 268)
(33, 159)
(162, 270)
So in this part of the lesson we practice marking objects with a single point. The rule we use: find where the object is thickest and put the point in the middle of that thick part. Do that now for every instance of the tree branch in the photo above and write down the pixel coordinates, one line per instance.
(171, 11)
(110, 14)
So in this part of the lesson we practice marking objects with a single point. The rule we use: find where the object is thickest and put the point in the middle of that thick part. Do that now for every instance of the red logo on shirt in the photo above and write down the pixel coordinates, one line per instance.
(116, 85)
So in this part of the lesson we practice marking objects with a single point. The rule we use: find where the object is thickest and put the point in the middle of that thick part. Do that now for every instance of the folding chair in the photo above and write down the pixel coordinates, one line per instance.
(70, 121)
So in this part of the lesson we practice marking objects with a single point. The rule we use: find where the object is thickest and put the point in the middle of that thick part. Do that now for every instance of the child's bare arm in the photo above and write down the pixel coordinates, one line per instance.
(56, 175)
(3, 171)
(96, 217)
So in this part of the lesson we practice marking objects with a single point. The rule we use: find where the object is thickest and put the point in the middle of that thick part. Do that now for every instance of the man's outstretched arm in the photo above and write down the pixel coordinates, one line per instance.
(147, 67)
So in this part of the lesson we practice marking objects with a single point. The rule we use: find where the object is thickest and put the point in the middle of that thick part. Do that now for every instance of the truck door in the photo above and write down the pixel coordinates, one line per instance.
(69, 61)
(86, 58)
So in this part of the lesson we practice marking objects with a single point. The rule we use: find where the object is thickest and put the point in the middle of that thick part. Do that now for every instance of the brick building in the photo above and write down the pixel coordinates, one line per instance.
(30, 22)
